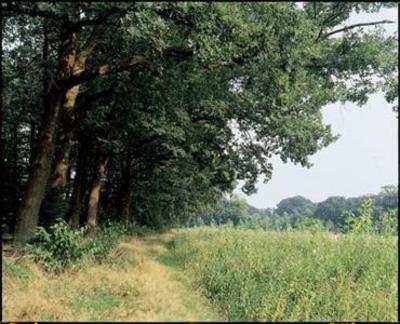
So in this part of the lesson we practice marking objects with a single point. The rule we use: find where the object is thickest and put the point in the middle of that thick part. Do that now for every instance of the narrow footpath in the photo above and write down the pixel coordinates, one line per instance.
(168, 294)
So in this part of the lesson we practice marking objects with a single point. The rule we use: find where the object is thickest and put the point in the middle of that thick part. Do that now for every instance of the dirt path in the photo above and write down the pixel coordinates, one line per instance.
(139, 282)
(169, 294)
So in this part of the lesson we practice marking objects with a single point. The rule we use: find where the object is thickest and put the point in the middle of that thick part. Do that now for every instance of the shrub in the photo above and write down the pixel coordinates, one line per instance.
(57, 248)
(61, 246)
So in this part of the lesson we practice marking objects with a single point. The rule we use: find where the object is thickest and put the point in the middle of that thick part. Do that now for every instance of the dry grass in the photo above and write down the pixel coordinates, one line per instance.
(131, 286)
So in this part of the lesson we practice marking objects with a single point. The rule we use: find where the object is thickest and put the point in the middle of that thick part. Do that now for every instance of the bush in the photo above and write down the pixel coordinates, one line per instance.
(57, 248)
(61, 246)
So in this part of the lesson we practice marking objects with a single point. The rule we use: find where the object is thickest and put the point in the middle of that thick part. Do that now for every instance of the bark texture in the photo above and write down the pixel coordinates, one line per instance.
(94, 195)
(126, 191)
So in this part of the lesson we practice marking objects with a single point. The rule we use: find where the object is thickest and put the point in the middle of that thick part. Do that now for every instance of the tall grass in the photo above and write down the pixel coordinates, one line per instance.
(293, 276)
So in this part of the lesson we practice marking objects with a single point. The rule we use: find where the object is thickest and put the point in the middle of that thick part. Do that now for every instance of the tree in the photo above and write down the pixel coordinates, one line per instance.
(332, 210)
(61, 98)
(293, 205)
(228, 210)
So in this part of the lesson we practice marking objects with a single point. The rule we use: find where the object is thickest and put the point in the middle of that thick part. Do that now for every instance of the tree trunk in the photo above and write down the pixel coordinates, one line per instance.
(55, 203)
(37, 181)
(60, 167)
(56, 197)
(32, 142)
(126, 208)
(1, 115)
(2, 166)
(16, 171)
(67, 129)
(76, 205)
(36, 186)
(95, 195)
(126, 191)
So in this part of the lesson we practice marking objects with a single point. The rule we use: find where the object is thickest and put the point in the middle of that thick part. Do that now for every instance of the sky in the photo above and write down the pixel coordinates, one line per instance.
(360, 162)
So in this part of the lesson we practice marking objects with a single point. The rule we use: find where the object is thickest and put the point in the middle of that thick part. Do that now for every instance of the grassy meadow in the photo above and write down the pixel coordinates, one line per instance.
(293, 276)
(210, 273)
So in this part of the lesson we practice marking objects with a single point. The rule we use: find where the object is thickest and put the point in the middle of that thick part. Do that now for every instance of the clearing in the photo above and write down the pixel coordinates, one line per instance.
(139, 282)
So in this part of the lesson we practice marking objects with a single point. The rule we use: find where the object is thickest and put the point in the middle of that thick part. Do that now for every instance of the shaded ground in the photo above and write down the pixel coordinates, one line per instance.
(138, 283)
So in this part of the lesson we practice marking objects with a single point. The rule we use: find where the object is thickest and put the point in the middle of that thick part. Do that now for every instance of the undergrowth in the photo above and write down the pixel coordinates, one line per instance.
(61, 246)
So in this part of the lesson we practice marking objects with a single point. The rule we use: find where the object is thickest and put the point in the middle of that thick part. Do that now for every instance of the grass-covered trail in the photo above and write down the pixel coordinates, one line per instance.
(137, 283)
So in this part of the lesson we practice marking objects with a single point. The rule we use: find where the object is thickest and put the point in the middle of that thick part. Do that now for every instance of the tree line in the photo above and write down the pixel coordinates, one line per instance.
(333, 214)
(148, 112)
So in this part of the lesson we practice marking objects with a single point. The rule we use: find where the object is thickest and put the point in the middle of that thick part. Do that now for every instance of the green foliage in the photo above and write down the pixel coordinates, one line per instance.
(311, 224)
(336, 214)
(348, 217)
(388, 223)
(293, 276)
(292, 205)
(59, 247)
(335, 210)
(331, 209)
(363, 221)
(231, 210)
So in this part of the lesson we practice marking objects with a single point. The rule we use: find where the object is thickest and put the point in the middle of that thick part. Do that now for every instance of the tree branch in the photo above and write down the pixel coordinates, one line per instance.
(355, 26)
(180, 54)
(89, 74)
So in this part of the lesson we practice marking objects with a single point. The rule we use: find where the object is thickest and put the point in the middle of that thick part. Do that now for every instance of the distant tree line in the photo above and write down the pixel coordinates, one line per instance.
(334, 213)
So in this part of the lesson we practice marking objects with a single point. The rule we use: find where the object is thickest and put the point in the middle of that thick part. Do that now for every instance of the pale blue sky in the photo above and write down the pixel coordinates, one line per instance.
(361, 161)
